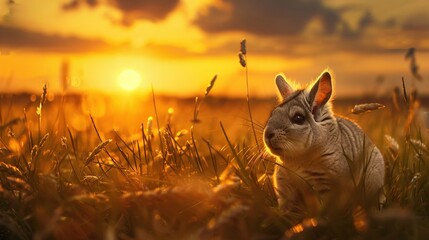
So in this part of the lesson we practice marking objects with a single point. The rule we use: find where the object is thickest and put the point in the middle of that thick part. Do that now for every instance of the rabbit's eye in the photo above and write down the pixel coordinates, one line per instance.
(298, 119)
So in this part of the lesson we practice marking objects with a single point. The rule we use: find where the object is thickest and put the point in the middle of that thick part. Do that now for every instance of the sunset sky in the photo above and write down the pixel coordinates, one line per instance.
(179, 45)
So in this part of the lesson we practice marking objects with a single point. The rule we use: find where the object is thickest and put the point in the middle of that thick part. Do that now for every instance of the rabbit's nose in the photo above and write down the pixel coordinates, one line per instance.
(269, 134)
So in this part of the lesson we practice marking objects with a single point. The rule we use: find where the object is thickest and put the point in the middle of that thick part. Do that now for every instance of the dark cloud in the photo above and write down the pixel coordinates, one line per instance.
(417, 22)
(366, 20)
(15, 38)
(132, 10)
(270, 17)
(390, 23)
(74, 4)
(346, 32)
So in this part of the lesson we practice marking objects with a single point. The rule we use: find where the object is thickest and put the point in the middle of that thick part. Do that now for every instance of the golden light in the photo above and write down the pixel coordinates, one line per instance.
(129, 79)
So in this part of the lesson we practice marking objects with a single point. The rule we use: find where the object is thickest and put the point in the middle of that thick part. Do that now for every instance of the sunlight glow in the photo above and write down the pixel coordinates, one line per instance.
(129, 80)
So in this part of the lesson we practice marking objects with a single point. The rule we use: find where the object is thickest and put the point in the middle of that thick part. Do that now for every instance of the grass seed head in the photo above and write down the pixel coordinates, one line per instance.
(228, 217)
(34, 152)
(15, 183)
(243, 48)
(7, 169)
(170, 112)
(149, 126)
(91, 179)
(42, 100)
(181, 133)
(392, 145)
(43, 140)
(416, 178)
(64, 141)
(44, 94)
(10, 133)
(242, 59)
(418, 144)
(97, 150)
(366, 107)
(196, 111)
(210, 86)
(91, 199)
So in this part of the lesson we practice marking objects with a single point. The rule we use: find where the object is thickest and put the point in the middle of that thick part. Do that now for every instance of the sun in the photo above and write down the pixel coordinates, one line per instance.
(129, 79)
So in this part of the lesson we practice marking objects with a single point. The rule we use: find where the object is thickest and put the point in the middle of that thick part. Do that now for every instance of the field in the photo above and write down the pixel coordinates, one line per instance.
(118, 167)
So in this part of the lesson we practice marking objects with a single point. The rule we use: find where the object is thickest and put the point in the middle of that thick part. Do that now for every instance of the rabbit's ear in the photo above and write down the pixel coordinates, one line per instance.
(284, 88)
(321, 91)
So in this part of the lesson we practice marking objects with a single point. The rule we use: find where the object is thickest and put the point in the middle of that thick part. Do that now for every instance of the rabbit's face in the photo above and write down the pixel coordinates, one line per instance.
(289, 130)
(299, 125)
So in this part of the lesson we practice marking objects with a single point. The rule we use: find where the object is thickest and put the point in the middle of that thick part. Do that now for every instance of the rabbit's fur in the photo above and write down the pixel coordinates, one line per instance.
(317, 150)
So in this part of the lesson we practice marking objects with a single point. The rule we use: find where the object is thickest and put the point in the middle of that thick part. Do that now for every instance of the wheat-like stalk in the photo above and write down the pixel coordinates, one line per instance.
(10, 170)
(210, 86)
(366, 107)
(90, 179)
(91, 198)
(34, 151)
(419, 144)
(39, 108)
(392, 145)
(242, 59)
(96, 151)
(43, 140)
(16, 183)
(149, 125)
(227, 219)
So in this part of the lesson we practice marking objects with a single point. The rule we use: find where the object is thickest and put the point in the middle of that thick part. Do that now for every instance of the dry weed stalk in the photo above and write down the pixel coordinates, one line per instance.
(242, 55)
(414, 107)
(39, 108)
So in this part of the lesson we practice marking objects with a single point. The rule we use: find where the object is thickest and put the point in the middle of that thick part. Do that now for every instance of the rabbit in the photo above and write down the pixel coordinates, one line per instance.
(318, 151)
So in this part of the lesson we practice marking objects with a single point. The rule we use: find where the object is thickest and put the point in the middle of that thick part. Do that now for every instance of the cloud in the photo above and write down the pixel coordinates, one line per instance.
(418, 21)
(270, 17)
(74, 4)
(132, 10)
(15, 38)
(366, 20)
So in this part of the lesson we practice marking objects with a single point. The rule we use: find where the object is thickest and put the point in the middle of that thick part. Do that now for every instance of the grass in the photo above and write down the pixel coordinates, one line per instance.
(65, 177)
